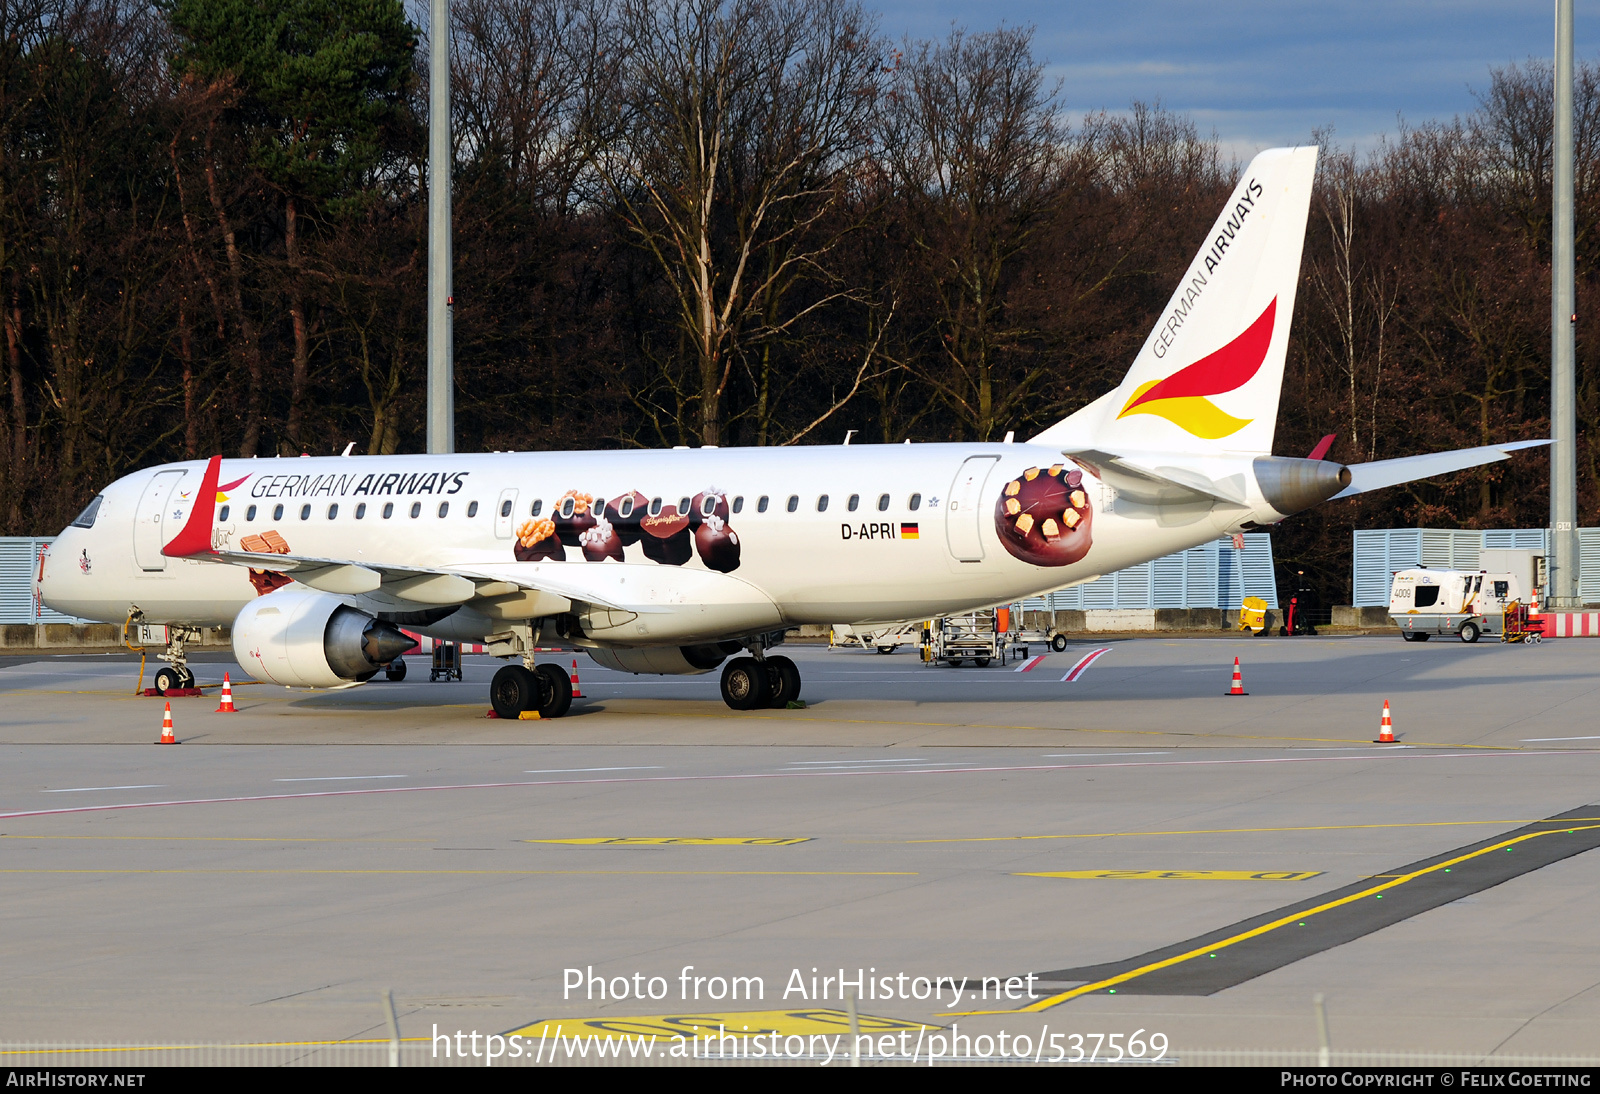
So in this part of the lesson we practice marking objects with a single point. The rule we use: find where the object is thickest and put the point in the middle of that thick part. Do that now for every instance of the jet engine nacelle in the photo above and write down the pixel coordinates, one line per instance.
(301, 638)
(664, 660)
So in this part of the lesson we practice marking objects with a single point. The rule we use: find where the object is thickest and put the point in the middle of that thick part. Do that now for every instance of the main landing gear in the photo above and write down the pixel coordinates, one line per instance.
(749, 684)
(544, 688)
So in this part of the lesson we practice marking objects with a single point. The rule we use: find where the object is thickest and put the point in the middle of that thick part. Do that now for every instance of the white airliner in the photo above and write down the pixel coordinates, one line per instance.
(675, 562)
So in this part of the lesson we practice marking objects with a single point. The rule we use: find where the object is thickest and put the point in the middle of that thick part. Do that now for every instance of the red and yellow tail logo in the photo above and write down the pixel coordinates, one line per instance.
(1181, 397)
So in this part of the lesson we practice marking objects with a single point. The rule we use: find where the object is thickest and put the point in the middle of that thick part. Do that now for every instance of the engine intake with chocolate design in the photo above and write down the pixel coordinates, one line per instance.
(1044, 516)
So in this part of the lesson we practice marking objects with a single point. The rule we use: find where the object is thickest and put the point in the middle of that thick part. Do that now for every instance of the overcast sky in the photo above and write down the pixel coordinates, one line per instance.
(1264, 73)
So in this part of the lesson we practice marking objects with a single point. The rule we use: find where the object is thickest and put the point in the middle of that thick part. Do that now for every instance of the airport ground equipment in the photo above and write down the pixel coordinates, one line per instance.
(884, 637)
(1464, 603)
(1253, 615)
(446, 662)
(1299, 620)
(972, 637)
(1520, 625)
(1011, 622)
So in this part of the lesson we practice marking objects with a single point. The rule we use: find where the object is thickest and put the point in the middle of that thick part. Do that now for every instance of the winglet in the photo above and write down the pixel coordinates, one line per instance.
(1323, 445)
(195, 538)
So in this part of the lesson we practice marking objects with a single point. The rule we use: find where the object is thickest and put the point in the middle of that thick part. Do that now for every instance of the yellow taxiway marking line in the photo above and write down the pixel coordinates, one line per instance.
(1238, 831)
(688, 1024)
(1051, 729)
(678, 841)
(1399, 879)
(511, 873)
(1182, 875)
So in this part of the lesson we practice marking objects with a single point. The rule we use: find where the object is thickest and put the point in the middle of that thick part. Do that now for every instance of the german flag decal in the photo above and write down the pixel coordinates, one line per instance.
(908, 531)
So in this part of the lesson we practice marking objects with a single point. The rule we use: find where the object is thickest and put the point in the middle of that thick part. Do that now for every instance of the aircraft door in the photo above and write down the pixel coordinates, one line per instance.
(505, 513)
(148, 536)
(963, 518)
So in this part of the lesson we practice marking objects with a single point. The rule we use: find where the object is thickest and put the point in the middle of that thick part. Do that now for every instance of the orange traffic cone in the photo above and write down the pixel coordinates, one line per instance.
(167, 737)
(226, 707)
(1238, 681)
(1386, 728)
(1533, 607)
(577, 692)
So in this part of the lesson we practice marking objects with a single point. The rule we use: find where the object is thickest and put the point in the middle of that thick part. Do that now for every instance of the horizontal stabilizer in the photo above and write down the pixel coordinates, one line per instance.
(1381, 473)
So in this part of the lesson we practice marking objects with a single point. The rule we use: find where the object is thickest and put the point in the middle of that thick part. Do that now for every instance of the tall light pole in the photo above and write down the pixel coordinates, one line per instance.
(1562, 553)
(441, 337)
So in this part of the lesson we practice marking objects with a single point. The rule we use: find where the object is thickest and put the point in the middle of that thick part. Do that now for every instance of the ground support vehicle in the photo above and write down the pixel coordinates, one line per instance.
(1424, 602)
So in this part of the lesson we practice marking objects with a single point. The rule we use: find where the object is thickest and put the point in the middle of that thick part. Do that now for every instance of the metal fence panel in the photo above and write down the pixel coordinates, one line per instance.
(19, 561)
(1380, 552)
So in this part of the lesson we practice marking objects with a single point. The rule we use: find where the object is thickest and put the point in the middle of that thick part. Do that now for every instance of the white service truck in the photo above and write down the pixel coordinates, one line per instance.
(1467, 603)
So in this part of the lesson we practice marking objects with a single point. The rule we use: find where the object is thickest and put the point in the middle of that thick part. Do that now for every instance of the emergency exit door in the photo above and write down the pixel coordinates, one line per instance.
(963, 527)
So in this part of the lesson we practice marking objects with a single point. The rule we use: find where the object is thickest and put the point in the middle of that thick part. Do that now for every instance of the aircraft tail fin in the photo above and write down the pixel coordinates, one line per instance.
(1207, 380)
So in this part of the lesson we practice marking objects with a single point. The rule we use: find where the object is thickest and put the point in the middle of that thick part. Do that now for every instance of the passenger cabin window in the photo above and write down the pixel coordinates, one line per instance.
(444, 509)
(277, 512)
(505, 507)
(655, 507)
(224, 514)
(361, 510)
(915, 503)
(625, 507)
(855, 501)
(538, 506)
(761, 504)
(305, 512)
(333, 512)
(794, 502)
(883, 503)
(684, 505)
(822, 503)
(568, 505)
(472, 508)
(250, 513)
(388, 510)
(416, 510)
(86, 518)
(1427, 596)
(708, 505)
(738, 504)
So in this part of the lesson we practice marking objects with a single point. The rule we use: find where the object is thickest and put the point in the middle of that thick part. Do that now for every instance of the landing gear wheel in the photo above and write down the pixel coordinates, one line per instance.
(783, 678)
(1469, 632)
(745, 685)
(166, 679)
(395, 670)
(185, 677)
(981, 662)
(512, 691)
(555, 691)
(1058, 642)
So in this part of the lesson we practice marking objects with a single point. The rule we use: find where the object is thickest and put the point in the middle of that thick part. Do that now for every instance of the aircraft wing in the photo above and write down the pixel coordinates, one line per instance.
(1381, 473)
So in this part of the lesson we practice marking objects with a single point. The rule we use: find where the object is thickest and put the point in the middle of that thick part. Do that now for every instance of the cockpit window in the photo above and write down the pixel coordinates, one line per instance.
(86, 518)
